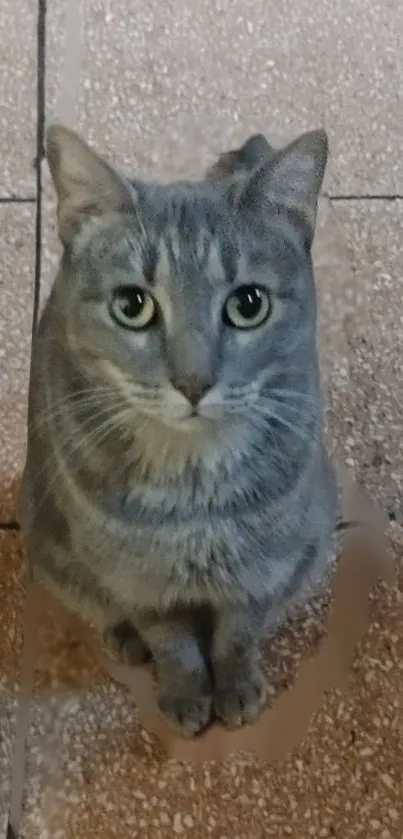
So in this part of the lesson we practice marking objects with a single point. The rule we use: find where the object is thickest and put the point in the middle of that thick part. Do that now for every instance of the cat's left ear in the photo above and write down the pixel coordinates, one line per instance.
(86, 185)
(290, 182)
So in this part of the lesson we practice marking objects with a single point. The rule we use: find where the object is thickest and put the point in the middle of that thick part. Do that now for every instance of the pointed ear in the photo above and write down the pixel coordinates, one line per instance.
(292, 181)
(86, 186)
(241, 162)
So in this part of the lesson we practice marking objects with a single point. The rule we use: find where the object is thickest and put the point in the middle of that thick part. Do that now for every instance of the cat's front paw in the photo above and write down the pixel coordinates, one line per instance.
(188, 713)
(241, 699)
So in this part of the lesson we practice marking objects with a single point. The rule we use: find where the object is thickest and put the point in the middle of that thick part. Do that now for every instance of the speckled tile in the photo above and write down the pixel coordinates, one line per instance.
(163, 92)
(18, 96)
(373, 424)
(164, 88)
(16, 301)
(11, 606)
(92, 770)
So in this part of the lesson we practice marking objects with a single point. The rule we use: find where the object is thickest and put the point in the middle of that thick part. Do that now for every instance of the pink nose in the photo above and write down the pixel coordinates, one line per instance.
(193, 388)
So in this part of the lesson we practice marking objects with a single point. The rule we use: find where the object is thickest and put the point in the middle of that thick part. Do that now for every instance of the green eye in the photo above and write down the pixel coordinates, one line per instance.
(247, 308)
(133, 308)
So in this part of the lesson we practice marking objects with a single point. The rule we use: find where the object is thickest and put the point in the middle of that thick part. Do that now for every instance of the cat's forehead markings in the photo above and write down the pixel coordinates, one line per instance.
(214, 266)
(173, 242)
(162, 262)
(203, 244)
(149, 260)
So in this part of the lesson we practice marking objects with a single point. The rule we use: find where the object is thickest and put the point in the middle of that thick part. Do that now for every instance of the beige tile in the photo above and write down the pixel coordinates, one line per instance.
(373, 428)
(11, 606)
(18, 96)
(16, 301)
(358, 46)
(164, 89)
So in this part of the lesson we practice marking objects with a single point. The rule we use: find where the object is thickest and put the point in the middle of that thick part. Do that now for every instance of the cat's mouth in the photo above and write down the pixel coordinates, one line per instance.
(193, 421)
(202, 418)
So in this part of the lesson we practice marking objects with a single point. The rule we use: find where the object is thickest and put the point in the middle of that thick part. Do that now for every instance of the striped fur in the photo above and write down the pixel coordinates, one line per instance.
(179, 536)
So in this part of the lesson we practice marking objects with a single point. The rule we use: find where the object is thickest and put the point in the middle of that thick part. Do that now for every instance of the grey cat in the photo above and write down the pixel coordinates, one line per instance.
(177, 493)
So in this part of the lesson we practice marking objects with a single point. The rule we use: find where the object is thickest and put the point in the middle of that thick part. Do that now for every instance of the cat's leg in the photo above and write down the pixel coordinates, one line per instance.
(240, 690)
(183, 675)
(81, 592)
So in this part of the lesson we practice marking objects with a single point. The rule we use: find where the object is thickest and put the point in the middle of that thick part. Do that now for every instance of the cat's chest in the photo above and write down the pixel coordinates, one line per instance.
(192, 539)
(187, 558)
(167, 551)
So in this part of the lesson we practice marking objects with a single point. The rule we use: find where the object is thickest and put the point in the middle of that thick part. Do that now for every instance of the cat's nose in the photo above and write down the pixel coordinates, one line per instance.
(193, 387)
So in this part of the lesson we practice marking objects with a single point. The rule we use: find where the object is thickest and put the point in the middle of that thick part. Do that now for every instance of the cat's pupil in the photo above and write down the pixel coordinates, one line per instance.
(249, 302)
(131, 303)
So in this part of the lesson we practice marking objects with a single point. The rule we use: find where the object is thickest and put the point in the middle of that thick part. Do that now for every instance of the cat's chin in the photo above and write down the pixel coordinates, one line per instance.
(190, 424)
(187, 434)
(179, 440)
(193, 424)
(190, 429)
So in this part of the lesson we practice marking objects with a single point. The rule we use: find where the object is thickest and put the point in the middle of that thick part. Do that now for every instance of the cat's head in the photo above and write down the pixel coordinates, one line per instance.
(193, 302)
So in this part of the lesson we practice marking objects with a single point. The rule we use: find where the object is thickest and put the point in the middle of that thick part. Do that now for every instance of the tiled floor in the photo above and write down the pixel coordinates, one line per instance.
(162, 88)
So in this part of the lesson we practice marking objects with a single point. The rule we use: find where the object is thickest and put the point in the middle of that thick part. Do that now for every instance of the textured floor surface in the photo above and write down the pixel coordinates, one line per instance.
(163, 88)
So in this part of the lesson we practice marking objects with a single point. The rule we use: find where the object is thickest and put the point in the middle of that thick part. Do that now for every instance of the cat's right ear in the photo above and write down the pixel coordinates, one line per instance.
(289, 184)
(86, 186)
(239, 163)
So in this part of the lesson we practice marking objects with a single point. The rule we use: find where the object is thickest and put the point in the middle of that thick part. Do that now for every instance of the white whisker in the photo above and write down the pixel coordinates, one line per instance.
(294, 395)
(84, 398)
(270, 414)
(97, 436)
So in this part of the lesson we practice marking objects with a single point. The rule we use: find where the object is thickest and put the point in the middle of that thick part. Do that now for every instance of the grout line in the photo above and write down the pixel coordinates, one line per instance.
(40, 150)
(9, 525)
(16, 805)
(365, 197)
(17, 199)
(348, 196)
(31, 199)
